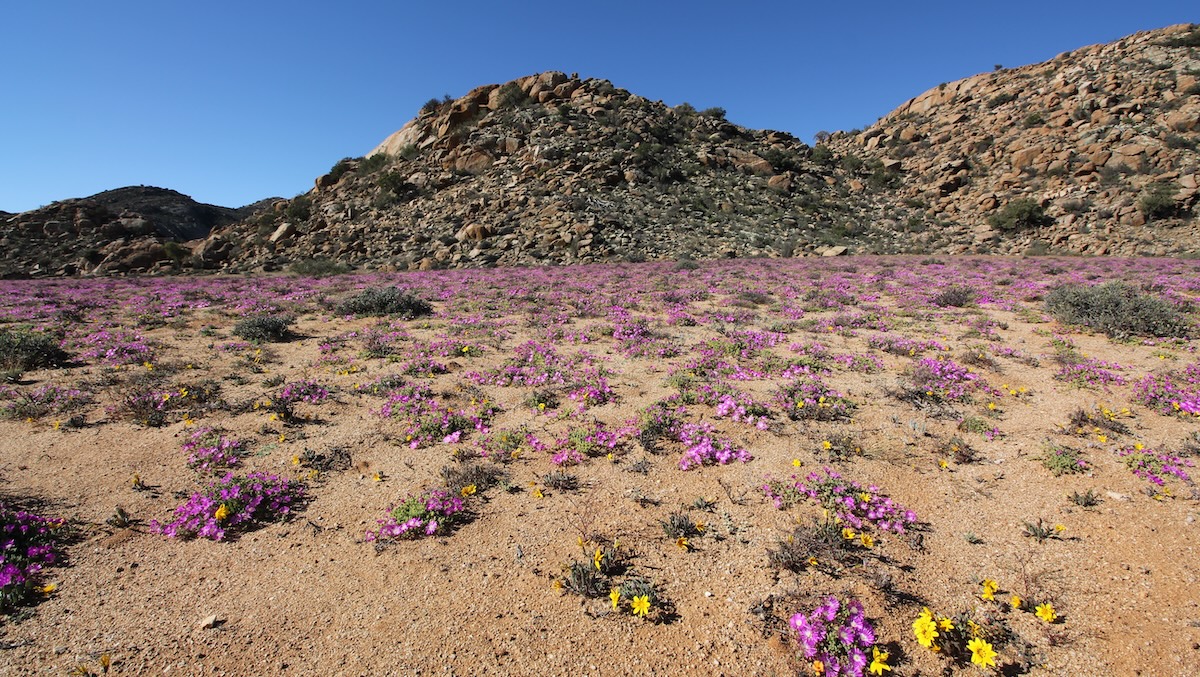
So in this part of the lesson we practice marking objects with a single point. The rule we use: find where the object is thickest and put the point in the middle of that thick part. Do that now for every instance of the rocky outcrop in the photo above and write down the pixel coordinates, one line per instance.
(1093, 136)
(118, 231)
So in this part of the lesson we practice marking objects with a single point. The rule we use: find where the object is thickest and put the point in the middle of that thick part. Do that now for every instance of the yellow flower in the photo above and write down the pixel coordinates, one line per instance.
(812, 561)
(989, 589)
(1046, 612)
(701, 527)
(377, 477)
(641, 605)
(282, 437)
(925, 628)
(1102, 438)
(537, 493)
(467, 490)
(945, 623)
(818, 667)
(991, 406)
(943, 463)
(296, 460)
(848, 533)
(826, 445)
(796, 463)
(598, 559)
(982, 653)
(1058, 528)
(49, 588)
(867, 541)
(615, 596)
(222, 513)
(682, 543)
(878, 662)
(1016, 601)
(558, 585)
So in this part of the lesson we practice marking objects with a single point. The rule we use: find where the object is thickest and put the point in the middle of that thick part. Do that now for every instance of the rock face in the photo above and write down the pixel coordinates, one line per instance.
(1090, 135)
(117, 231)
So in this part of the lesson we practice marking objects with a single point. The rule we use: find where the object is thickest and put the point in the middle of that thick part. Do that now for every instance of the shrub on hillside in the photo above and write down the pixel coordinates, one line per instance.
(343, 167)
(1020, 214)
(1158, 202)
(1117, 309)
(384, 301)
(372, 163)
(299, 209)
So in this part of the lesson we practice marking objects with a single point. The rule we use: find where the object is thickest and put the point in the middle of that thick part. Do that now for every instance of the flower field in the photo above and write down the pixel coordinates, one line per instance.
(854, 466)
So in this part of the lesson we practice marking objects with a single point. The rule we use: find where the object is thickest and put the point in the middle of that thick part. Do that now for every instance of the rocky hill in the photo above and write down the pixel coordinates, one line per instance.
(134, 229)
(1096, 148)
(552, 168)
(1093, 152)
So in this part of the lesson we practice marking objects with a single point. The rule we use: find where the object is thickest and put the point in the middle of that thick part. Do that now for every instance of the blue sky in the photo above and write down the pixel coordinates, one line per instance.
(231, 102)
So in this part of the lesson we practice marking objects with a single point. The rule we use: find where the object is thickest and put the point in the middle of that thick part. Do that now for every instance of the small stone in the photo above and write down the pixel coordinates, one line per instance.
(209, 622)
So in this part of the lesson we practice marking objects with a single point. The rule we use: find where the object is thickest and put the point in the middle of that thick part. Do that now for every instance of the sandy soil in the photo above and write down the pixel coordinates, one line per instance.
(311, 596)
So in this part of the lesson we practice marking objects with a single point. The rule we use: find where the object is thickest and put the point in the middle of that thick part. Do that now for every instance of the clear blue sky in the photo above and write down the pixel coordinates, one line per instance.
(231, 102)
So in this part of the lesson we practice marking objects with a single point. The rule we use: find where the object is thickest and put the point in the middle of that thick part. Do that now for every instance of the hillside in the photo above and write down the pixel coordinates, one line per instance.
(1103, 138)
(116, 231)
(550, 168)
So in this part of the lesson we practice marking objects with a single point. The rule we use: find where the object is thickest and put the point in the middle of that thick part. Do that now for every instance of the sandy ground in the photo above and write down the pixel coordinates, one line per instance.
(311, 596)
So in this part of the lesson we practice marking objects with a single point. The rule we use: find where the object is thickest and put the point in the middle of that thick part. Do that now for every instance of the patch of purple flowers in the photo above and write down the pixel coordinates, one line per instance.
(233, 504)
(837, 634)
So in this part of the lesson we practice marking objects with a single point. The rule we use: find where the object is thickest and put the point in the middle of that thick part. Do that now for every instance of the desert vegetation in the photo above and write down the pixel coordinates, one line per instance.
(839, 466)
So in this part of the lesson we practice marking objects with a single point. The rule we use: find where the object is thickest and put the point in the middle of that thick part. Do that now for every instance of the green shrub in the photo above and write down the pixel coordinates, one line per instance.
(343, 167)
(511, 95)
(176, 252)
(1000, 99)
(715, 112)
(956, 296)
(1020, 214)
(373, 163)
(299, 208)
(384, 301)
(264, 328)
(821, 153)
(1158, 202)
(24, 349)
(396, 183)
(1117, 309)
(1177, 142)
